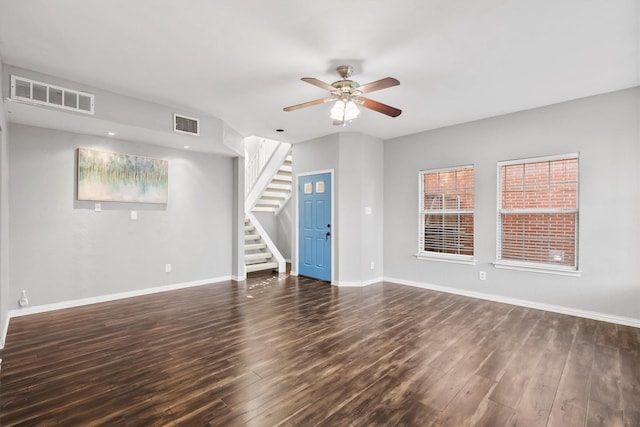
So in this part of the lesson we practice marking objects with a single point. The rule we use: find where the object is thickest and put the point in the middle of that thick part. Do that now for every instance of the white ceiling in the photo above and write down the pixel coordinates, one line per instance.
(242, 60)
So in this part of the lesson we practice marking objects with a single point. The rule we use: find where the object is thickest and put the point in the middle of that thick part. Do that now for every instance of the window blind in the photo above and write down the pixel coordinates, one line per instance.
(446, 213)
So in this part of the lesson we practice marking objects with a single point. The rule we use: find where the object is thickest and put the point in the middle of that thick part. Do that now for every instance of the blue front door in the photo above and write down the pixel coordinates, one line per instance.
(314, 218)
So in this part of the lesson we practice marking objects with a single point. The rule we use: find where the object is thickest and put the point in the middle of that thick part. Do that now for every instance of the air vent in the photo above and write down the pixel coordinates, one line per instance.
(39, 93)
(184, 124)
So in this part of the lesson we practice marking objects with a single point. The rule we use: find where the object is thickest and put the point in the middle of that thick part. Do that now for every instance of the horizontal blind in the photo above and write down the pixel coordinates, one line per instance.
(446, 212)
(538, 211)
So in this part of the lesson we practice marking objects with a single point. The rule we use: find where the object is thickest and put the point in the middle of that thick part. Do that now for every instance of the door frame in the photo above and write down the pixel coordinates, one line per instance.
(296, 237)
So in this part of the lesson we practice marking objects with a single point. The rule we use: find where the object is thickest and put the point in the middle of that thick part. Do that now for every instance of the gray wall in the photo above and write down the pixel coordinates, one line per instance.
(361, 187)
(603, 129)
(357, 161)
(143, 121)
(319, 154)
(61, 249)
(4, 218)
(278, 227)
(284, 230)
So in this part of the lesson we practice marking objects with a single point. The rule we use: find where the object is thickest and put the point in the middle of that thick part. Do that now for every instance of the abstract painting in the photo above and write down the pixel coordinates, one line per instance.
(115, 177)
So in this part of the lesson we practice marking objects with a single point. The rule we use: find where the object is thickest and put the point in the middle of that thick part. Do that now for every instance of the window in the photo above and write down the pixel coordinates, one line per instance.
(538, 213)
(446, 214)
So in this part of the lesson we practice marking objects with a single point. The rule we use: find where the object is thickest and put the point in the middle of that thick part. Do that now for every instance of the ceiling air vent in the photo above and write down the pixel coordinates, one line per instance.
(39, 93)
(184, 124)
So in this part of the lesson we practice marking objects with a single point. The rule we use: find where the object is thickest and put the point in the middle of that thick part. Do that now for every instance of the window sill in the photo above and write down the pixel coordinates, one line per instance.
(452, 259)
(537, 268)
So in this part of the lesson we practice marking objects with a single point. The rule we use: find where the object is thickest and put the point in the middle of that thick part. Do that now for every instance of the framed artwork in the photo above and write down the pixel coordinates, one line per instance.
(115, 177)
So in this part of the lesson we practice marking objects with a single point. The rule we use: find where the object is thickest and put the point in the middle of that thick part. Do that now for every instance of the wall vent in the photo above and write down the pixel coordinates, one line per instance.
(39, 93)
(184, 124)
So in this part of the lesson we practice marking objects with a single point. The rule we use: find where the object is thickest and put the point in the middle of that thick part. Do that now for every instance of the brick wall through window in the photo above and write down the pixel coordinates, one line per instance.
(539, 211)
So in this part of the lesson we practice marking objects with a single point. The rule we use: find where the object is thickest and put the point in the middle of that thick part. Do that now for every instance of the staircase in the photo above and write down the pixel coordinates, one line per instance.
(268, 187)
(278, 191)
(257, 256)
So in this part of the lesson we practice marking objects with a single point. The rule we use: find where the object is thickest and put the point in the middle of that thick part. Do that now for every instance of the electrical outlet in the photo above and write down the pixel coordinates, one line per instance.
(482, 275)
(373, 265)
(167, 268)
(23, 301)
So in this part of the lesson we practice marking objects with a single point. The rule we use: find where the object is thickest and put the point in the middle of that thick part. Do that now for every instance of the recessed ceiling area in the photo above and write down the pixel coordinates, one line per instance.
(242, 61)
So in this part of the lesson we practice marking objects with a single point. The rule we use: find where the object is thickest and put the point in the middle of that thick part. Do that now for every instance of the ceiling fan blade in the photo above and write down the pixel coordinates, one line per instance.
(319, 83)
(380, 107)
(307, 104)
(378, 85)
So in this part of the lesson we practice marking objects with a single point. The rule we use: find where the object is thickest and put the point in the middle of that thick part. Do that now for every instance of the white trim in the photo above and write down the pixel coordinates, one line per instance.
(5, 330)
(422, 211)
(112, 297)
(594, 315)
(538, 159)
(239, 278)
(297, 220)
(537, 268)
(468, 260)
(358, 284)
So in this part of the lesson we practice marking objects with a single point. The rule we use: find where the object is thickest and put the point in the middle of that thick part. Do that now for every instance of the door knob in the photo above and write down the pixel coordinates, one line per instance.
(326, 236)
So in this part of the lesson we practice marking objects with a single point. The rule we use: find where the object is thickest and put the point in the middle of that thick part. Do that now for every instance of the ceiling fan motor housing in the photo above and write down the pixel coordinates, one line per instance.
(345, 71)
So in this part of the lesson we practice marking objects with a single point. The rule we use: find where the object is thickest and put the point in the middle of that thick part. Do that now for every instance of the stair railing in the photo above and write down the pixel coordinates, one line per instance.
(258, 161)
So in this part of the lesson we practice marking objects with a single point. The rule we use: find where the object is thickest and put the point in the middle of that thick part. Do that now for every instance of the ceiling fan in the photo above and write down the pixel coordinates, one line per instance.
(348, 96)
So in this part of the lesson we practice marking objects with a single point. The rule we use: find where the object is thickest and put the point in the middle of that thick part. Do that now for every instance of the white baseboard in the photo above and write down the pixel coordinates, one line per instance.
(105, 298)
(4, 331)
(357, 284)
(239, 278)
(594, 315)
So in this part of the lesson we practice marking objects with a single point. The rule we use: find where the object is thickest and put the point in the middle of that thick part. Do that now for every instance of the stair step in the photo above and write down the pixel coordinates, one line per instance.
(249, 228)
(276, 186)
(254, 246)
(262, 209)
(275, 194)
(257, 256)
(283, 178)
(251, 237)
(261, 266)
(267, 202)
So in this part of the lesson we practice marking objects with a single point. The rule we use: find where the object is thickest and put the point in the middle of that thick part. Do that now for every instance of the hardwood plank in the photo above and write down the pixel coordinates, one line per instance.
(521, 367)
(631, 418)
(570, 405)
(282, 350)
(630, 379)
(605, 382)
(535, 406)
(491, 414)
(461, 411)
(600, 415)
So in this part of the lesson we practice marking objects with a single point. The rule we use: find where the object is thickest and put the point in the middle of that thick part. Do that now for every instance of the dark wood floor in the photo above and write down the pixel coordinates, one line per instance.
(297, 352)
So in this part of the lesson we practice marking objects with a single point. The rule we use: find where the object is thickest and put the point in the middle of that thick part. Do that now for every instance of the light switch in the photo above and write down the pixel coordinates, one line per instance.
(367, 211)
(98, 207)
(134, 215)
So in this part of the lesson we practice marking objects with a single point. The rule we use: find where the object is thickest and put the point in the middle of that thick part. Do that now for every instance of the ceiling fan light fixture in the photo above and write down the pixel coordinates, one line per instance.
(344, 111)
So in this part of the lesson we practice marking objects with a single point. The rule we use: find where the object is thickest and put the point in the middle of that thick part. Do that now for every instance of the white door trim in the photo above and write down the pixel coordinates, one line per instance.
(294, 266)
